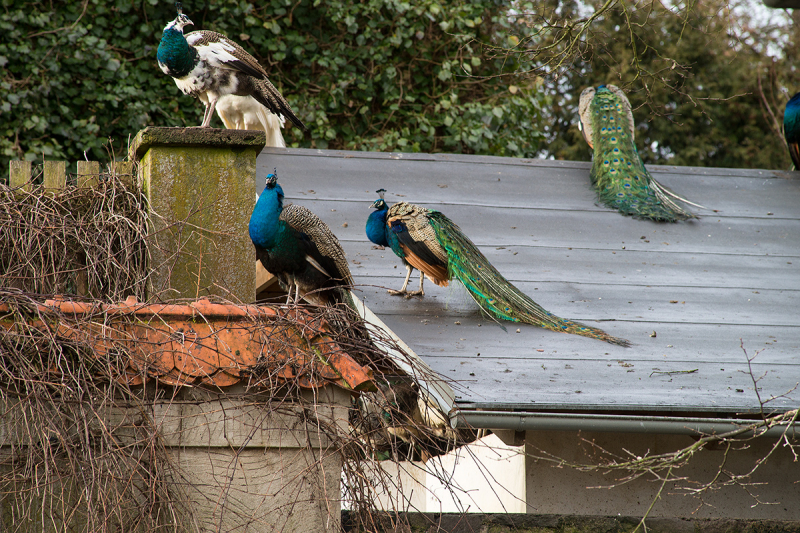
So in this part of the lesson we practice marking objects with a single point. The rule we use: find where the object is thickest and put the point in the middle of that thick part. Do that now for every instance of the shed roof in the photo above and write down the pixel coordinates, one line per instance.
(697, 299)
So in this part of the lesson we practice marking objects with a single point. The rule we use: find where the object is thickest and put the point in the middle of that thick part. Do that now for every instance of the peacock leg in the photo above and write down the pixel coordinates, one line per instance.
(419, 292)
(289, 296)
(212, 105)
(403, 291)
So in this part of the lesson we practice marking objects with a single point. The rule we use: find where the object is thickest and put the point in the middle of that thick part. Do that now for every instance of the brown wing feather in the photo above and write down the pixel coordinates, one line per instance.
(435, 273)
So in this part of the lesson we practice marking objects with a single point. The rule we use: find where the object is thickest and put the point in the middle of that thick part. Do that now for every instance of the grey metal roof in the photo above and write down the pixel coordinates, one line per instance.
(701, 286)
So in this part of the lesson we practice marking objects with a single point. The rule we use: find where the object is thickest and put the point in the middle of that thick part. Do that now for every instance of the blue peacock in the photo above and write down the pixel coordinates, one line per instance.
(209, 66)
(791, 129)
(620, 178)
(433, 244)
(299, 249)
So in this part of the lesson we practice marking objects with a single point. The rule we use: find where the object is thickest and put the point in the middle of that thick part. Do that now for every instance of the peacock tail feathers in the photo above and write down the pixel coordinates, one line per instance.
(618, 174)
(497, 296)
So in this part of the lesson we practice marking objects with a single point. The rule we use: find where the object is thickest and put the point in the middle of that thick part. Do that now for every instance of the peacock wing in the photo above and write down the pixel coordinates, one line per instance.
(266, 94)
(322, 245)
(408, 225)
(222, 52)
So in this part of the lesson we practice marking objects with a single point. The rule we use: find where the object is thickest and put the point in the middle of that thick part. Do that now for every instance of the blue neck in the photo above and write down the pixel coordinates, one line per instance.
(264, 222)
(376, 227)
(175, 53)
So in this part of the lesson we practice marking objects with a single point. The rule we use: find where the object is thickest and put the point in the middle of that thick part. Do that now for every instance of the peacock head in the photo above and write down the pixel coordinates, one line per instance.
(380, 203)
(180, 21)
(272, 184)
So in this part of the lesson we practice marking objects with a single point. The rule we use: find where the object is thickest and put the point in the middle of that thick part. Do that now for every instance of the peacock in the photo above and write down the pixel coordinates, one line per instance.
(620, 178)
(245, 113)
(433, 244)
(208, 65)
(299, 249)
(791, 129)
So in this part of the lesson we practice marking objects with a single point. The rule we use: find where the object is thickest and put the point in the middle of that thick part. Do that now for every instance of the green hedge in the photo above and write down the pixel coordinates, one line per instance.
(371, 75)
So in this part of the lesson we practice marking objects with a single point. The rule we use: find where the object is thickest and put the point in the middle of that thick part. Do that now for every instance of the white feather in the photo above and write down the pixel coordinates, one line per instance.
(245, 113)
(217, 54)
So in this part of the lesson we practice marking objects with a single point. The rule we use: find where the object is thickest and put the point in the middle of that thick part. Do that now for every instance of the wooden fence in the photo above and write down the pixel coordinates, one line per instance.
(56, 255)
(55, 173)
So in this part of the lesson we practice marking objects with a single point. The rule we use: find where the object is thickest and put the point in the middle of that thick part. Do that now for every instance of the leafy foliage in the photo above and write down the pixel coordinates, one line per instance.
(707, 84)
(371, 75)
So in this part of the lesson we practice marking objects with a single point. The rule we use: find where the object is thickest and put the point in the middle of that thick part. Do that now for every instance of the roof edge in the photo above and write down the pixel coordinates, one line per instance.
(665, 425)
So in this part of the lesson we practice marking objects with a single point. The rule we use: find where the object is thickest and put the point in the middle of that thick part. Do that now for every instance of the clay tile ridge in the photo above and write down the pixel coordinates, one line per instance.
(213, 344)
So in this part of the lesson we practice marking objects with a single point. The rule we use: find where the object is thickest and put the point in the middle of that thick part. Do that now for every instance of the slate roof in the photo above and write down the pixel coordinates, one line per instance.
(695, 298)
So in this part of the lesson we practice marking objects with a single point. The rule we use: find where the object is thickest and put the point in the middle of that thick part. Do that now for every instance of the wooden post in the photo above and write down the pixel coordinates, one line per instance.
(88, 173)
(55, 176)
(19, 174)
(200, 184)
(124, 169)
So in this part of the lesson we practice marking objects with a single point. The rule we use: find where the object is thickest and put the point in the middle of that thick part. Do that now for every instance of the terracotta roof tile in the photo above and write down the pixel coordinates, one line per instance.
(207, 343)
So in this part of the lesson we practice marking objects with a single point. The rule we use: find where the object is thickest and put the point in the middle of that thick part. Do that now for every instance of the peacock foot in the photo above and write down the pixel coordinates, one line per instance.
(405, 294)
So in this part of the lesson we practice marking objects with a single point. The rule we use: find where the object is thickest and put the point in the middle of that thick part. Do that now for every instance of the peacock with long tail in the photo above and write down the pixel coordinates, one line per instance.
(299, 249)
(433, 244)
(791, 129)
(620, 178)
(208, 66)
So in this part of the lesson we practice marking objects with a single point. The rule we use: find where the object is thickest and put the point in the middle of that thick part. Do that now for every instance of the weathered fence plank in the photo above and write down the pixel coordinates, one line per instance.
(88, 173)
(55, 176)
(124, 169)
(20, 174)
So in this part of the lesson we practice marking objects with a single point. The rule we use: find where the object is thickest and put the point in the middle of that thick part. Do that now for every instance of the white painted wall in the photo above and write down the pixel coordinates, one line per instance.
(486, 476)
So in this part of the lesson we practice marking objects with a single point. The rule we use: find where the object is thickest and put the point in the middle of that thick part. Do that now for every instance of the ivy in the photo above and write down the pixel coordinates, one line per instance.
(81, 77)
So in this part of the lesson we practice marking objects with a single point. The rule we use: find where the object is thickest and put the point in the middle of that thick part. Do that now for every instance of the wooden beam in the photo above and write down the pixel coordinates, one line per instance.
(264, 279)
